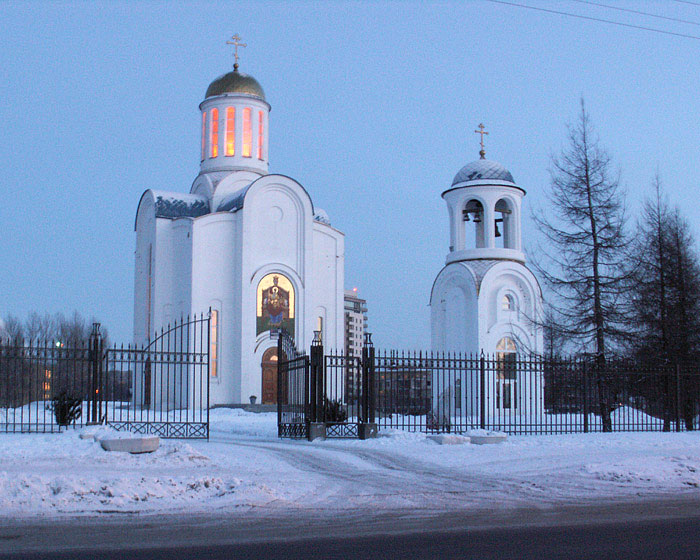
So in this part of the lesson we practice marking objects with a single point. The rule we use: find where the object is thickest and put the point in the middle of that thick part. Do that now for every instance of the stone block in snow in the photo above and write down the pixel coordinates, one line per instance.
(488, 438)
(449, 439)
(131, 445)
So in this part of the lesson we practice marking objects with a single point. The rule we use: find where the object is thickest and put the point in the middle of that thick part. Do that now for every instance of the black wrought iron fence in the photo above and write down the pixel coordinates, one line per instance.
(36, 377)
(532, 395)
(445, 392)
(161, 388)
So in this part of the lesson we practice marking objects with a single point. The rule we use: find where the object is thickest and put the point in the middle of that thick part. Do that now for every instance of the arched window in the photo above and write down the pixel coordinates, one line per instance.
(506, 374)
(506, 346)
(204, 133)
(275, 304)
(319, 327)
(214, 134)
(508, 303)
(261, 134)
(247, 133)
(149, 291)
(230, 140)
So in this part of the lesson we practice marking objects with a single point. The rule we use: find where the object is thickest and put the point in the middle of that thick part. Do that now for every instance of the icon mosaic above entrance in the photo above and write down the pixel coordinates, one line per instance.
(275, 304)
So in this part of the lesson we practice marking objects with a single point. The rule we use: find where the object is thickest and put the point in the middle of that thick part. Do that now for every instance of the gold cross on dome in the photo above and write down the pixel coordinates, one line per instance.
(481, 131)
(236, 43)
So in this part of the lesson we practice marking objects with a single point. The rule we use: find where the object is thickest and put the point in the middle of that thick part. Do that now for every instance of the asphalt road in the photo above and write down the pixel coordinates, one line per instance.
(653, 530)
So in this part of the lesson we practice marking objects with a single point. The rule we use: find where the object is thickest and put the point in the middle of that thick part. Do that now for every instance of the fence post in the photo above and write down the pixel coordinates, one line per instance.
(315, 425)
(585, 396)
(367, 428)
(364, 406)
(279, 378)
(678, 397)
(482, 391)
(371, 385)
(95, 355)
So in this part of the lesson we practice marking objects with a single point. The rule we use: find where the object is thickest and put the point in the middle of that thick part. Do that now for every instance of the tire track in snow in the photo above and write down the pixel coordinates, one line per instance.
(390, 474)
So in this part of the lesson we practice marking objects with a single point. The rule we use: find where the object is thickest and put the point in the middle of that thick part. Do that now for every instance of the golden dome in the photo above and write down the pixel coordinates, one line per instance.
(235, 82)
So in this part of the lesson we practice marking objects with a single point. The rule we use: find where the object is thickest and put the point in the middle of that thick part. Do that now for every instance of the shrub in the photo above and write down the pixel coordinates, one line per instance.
(333, 411)
(66, 408)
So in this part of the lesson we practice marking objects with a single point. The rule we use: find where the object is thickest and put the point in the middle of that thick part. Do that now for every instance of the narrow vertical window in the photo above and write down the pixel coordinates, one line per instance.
(261, 134)
(149, 282)
(204, 132)
(214, 344)
(214, 132)
(230, 131)
(247, 133)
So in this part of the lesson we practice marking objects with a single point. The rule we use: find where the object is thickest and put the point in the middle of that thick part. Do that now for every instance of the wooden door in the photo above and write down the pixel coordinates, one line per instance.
(269, 376)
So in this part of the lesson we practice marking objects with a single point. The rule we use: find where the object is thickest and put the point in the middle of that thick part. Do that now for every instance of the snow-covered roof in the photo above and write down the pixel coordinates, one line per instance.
(234, 201)
(483, 169)
(180, 205)
(322, 217)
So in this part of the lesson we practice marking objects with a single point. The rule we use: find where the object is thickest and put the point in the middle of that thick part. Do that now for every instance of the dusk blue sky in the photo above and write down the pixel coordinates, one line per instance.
(373, 110)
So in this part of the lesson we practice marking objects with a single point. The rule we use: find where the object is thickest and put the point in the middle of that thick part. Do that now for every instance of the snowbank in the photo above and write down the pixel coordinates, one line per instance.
(246, 468)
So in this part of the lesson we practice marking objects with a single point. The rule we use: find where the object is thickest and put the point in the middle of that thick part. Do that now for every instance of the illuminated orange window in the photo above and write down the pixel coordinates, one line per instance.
(214, 133)
(230, 149)
(214, 344)
(204, 126)
(261, 134)
(247, 133)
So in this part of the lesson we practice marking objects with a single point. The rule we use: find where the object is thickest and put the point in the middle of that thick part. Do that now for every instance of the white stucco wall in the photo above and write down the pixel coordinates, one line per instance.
(328, 284)
(145, 237)
(216, 285)
(453, 311)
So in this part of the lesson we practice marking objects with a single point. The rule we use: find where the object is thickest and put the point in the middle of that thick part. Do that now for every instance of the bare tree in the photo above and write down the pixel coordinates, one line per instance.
(13, 330)
(40, 327)
(651, 298)
(685, 293)
(73, 331)
(685, 289)
(665, 287)
(650, 303)
(585, 261)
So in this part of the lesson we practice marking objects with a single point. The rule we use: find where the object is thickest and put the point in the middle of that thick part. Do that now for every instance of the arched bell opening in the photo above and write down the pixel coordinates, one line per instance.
(504, 224)
(473, 212)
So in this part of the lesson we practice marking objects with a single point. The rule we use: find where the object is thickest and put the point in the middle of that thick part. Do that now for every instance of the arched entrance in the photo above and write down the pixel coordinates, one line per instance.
(269, 376)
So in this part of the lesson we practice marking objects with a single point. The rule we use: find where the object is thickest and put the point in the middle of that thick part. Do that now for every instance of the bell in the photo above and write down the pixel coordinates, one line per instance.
(465, 215)
(498, 233)
(477, 217)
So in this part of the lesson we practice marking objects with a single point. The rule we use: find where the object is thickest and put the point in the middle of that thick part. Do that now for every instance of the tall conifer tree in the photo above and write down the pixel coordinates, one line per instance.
(585, 260)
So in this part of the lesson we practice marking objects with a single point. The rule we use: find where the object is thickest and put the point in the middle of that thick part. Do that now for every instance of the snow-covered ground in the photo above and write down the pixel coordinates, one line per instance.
(246, 468)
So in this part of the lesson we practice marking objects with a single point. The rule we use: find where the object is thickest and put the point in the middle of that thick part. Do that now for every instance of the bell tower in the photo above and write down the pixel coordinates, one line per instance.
(484, 206)
(485, 297)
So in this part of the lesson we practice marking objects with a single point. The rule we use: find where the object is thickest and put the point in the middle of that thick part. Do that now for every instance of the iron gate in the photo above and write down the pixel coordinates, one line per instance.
(292, 388)
(331, 393)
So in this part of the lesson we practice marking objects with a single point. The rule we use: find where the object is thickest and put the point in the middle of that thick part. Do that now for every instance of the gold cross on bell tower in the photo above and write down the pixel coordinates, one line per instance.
(236, 43)
(481, 131)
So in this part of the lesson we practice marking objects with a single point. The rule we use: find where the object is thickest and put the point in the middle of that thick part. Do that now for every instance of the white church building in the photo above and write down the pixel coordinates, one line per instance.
(485, 299)
(247, 244)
